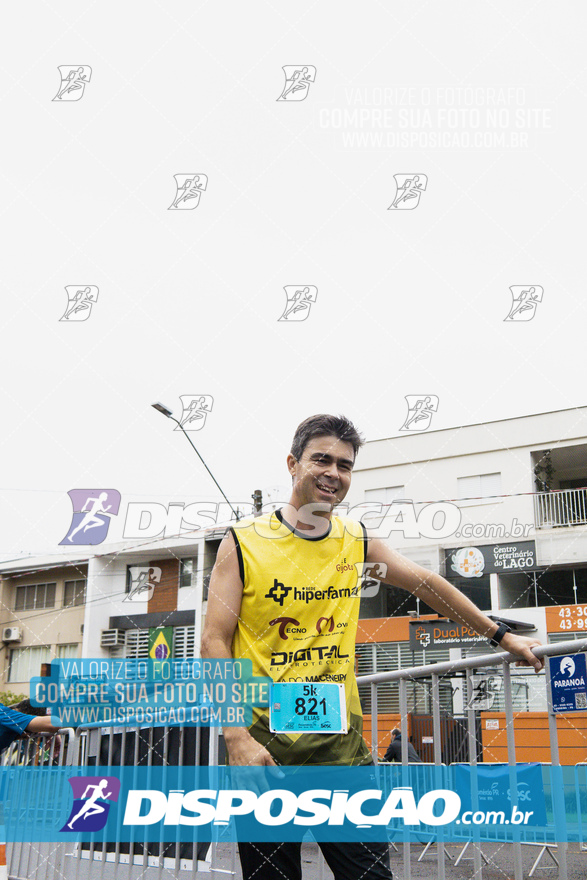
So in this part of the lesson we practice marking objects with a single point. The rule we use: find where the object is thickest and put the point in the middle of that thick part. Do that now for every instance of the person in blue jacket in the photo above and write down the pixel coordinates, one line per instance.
(15, 724)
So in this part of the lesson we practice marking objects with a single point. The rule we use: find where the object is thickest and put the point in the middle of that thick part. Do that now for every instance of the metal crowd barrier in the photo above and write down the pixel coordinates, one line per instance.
(581, 789)
(42, 861)
(185, 747)
(435, 672)
(105, 860)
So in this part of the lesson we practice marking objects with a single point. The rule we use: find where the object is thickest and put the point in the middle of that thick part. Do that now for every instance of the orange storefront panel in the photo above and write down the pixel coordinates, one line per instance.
(566, 619)
(531, 737)
(387, 629)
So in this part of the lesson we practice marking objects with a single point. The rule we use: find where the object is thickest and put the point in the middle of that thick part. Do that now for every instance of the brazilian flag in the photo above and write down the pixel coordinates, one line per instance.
(161, 642)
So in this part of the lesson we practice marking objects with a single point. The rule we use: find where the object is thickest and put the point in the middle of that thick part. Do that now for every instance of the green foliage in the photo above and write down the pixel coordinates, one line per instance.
(9, 699)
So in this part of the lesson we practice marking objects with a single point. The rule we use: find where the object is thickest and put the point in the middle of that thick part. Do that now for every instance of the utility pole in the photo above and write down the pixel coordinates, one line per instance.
(257, 497)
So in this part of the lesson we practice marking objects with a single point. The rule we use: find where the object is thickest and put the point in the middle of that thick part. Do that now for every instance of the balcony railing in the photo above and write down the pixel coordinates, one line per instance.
(561, 507)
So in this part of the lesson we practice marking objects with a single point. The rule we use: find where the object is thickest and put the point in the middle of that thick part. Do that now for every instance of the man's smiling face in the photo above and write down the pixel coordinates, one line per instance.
(323, 474)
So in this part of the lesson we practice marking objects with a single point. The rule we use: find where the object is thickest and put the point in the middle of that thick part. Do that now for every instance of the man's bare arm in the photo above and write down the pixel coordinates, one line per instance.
(41, 724)
(224, 604)
(447, 600)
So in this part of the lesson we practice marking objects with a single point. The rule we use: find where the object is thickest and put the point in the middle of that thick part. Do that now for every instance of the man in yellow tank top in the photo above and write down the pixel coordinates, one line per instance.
(284, 594)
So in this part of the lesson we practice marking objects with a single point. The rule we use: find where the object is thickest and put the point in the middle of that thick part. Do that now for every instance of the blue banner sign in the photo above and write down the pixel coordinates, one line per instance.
(494, 785)
(138, 803)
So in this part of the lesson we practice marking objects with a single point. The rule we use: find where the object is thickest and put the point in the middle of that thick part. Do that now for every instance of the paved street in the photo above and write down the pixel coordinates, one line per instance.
(500, 867)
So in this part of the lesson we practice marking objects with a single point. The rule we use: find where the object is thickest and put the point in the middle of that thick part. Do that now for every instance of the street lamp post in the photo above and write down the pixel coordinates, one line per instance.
(160, 407)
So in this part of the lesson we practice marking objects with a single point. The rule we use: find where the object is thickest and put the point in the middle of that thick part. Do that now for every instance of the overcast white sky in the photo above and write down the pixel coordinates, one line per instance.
(409, 301)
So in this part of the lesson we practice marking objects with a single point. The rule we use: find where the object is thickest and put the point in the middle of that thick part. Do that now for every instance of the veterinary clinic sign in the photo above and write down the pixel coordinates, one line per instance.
(474, 562)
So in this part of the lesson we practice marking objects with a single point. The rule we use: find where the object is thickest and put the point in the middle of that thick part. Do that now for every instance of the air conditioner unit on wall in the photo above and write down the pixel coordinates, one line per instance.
(12, 634)
(112, 638)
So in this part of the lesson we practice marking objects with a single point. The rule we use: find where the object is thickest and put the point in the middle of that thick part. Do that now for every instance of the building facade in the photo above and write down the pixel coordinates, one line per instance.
(119, 601)
(42, 617)
(500, 510)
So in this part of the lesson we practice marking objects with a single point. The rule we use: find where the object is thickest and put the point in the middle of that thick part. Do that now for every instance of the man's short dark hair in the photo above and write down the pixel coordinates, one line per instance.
(321, 426)
(395, 732)
(27, 708)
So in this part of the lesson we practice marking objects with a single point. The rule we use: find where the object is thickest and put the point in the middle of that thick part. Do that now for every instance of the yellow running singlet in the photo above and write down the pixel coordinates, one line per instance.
(298, 622)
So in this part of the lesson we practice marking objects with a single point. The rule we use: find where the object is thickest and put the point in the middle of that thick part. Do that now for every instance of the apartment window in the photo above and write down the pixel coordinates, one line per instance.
(187, 572)
(477, 589)
(479, 486)
(34, 596)
(374, 517)
(184, 642)
(386, 495)
(66, 652)
(74, 593)
(25, 663)
(553, 638)
(398, 603)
